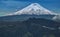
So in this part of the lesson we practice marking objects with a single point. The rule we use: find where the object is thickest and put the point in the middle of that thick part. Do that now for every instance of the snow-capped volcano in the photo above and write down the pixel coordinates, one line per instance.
(34, 8)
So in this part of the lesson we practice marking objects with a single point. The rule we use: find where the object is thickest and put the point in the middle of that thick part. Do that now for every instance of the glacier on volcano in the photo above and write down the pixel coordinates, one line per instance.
(35, 9)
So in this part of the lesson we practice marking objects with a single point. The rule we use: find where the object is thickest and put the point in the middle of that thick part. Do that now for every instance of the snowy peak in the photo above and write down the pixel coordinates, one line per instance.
(34, 8)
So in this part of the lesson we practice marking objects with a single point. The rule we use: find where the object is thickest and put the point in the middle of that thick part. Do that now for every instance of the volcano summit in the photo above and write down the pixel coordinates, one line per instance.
(35, 9)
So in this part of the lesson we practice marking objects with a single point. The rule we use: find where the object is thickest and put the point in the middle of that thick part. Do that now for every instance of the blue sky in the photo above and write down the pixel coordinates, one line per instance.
(11, 6)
